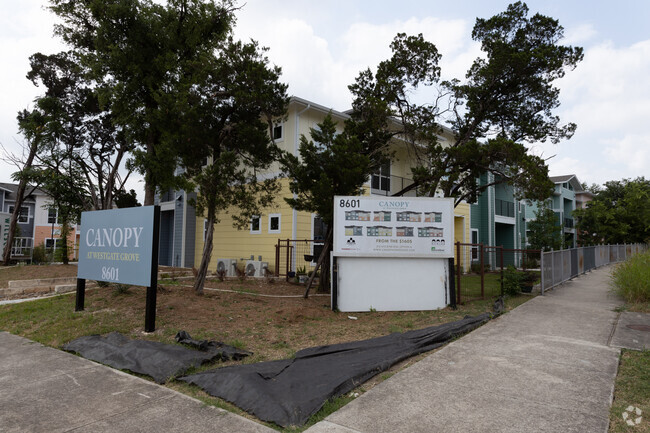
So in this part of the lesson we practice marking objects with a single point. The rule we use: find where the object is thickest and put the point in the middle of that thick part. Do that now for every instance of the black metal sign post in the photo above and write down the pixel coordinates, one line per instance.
(81, 294)
(150, 310)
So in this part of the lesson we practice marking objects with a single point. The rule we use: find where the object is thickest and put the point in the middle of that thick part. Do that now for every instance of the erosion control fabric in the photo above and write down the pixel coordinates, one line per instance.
(158, 360)
(288, 392)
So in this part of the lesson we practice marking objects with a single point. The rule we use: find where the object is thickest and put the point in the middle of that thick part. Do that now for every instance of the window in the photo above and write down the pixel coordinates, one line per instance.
(23, 217)
(380, 181)
(474, 246)
(278, 131)
(275, 223)
(255, 225)
(319, 228)
(53, 243)
(52, 216)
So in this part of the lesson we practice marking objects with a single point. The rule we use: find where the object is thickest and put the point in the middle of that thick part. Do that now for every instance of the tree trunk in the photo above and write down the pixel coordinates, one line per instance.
(321, 259)
(65, 231)
(149, 184)
(205, 259)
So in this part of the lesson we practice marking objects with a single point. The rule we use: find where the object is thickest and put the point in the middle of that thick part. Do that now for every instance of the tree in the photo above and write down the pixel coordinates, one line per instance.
(78, 130)
(619, 213)
(126, 199)
(507, 99)
(544, 232)
(330, 164)
(136, 52)
(224, 112)
(32, 126)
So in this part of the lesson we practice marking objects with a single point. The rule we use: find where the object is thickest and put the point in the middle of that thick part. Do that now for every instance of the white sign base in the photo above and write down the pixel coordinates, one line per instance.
(391, 284)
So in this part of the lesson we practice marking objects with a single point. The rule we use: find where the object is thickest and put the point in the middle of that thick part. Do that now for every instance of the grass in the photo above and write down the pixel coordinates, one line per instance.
(271, 328)
(632, 389)
(631, 280)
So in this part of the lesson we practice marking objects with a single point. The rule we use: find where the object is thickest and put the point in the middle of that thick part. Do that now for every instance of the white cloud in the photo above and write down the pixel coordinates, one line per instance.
(633, 151)
(579, 35)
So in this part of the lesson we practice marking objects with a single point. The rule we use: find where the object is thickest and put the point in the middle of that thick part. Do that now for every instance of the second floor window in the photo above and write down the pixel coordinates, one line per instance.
(52, 216)
(23, 217)
(278, 132)
(381, 180)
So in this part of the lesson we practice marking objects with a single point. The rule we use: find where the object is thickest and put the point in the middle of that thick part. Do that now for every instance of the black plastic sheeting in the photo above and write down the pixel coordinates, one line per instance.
(158, 360)
(287, 392)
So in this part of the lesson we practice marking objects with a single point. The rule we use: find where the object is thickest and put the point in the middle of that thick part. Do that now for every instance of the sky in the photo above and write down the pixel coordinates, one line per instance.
(323, 45)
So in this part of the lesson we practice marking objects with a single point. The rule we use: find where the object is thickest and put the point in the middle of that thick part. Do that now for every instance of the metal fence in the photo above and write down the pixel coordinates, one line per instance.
(292, 255)
(479, 269)
(560, 266)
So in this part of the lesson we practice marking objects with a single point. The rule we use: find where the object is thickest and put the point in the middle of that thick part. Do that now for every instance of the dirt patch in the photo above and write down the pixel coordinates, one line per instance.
(30, 272)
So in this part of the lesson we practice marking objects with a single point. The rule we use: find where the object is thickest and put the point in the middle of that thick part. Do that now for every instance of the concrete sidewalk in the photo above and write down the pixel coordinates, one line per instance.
(47, 390)
(544, 367)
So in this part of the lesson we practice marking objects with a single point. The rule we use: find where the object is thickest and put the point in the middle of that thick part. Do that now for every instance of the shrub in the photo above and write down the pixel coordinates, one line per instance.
(512, 280)
(39, 255)
(631, 278)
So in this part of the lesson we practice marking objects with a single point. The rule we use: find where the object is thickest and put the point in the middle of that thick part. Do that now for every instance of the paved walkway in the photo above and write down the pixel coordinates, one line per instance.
(544, 367)
(47, 390)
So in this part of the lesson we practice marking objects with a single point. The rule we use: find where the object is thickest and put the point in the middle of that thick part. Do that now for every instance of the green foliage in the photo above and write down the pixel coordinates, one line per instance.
(512, 281)
(544, 232)
(139, 53)
(619, 213)
(125, 199)
(507, 99)
(330, 164)
(39, 255)
(631, 278)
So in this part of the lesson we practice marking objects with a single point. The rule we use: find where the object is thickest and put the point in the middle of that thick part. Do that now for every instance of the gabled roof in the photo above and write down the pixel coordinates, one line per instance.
(571, 178)
(13, 187)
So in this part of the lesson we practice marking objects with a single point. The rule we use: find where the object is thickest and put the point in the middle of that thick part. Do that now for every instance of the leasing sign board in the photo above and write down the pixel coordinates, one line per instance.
(117, 245)
(393, 227)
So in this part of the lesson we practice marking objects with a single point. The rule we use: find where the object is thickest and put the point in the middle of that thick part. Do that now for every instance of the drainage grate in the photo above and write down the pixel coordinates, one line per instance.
(644, 328)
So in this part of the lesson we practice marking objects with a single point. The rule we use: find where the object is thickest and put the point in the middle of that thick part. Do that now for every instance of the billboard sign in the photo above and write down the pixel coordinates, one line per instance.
(117, 245)
(393, 227)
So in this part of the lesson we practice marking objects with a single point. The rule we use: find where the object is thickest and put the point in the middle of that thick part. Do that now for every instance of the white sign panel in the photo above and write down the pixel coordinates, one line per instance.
(393, 227)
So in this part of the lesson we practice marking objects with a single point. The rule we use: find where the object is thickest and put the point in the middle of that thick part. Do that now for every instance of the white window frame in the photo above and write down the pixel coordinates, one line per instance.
(259, 225)
(279, 217)
(56, 215)
(474, 249)
(278, 124)
(11, 211)
(57, 242)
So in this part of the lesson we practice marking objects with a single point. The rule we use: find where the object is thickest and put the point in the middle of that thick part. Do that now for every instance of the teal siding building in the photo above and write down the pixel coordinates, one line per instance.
(563, 202)
(498, 218)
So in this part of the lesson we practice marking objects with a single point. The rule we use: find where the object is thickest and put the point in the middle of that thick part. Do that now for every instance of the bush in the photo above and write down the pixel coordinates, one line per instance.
(512, 280)
(39, 255)
(631, 278)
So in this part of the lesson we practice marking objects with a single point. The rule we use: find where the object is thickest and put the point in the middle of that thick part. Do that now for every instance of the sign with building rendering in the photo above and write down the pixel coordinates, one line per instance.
(117, 245)
(393, 227)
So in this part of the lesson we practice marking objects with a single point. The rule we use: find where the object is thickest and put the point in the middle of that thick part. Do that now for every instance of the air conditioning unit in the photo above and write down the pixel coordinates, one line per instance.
(227, 265)
(256, 268)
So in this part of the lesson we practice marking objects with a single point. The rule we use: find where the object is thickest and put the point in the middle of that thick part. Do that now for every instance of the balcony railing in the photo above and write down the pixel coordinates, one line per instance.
(568, 223)
(389, 185)
(504, 208)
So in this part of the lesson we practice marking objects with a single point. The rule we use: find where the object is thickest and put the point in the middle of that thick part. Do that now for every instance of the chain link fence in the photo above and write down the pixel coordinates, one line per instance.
(560, 266)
